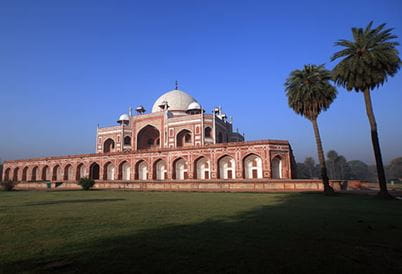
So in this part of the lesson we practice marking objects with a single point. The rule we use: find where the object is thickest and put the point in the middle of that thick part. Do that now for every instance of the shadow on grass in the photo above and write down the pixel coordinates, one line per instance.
(75, 201)
(302, 234)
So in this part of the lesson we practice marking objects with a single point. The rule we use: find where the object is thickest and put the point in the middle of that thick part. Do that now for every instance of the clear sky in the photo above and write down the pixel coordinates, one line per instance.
(66, 66)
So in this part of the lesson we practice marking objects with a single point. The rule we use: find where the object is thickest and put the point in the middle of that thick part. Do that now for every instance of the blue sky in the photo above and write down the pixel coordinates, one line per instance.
(66, 66)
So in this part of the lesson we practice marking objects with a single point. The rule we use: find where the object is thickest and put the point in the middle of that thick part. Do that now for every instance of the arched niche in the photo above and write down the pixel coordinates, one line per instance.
(276, 168)
(108, 145)
(148, 137)
(94, 171)
(227, 167)
(252, 167)
(184, 138)
(202, 168)
(160, 170)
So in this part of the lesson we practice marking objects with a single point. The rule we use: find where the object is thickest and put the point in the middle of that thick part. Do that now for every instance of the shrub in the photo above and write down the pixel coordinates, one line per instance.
(86, 183)
(7, 185)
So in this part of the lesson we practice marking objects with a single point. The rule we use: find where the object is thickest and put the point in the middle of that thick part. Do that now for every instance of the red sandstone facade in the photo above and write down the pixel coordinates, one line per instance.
(176, 142)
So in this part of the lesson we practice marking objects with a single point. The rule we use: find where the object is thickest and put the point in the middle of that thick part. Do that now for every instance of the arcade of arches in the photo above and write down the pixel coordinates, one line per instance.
(178, 140)
(226, 167)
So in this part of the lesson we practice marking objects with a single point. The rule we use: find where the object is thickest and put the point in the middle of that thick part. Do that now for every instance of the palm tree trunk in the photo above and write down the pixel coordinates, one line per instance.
(327, 188)
(376, 146)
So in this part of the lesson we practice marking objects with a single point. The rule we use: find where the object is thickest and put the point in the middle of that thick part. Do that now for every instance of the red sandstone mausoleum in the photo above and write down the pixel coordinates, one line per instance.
(176, 142)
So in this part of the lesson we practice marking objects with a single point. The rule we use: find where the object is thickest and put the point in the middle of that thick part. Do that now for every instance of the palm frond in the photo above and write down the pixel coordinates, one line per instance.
(368, 60)
(309, 90)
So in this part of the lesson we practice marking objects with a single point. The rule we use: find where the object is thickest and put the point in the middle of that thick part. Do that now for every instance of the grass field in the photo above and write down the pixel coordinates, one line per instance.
(121, 232)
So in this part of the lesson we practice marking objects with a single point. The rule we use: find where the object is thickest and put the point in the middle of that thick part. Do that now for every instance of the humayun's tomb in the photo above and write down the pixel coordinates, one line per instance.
(177, 145)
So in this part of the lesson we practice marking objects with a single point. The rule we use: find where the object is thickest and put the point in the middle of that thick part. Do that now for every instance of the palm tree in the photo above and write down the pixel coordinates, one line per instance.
(366, 63)
(309, 92)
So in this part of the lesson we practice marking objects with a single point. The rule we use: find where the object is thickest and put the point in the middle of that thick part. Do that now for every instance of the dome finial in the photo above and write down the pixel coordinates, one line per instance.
(177, 85)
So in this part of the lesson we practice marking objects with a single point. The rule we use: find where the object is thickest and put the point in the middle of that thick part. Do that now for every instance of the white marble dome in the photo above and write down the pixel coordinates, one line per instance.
(124, 117)
(194, 106)
(177, 100)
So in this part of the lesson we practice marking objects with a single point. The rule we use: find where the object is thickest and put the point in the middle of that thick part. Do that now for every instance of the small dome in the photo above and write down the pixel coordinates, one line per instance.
(124, 117)
(194, 106)
(177, 100)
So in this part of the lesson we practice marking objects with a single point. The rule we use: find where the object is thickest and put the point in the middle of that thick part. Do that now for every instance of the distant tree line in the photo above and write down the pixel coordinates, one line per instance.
(339, 168)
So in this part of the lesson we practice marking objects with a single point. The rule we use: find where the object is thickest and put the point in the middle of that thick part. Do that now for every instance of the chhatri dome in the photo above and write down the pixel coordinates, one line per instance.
(177, 100)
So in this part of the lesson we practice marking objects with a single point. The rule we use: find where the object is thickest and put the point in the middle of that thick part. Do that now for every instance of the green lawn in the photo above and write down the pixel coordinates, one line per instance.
(116, 231)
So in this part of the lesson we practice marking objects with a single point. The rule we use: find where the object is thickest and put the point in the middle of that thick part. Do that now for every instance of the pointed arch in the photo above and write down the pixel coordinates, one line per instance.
(109, 171)
(56, 173)
(94, 171)
(252, 166)
(124, 171)
(7, 174)
(202, 168)
(159, 170)
(148, 137)
(127, 141)
(15, 174)
(226, 167)
(24, 174)
(108, 145)
(45, 173)
(80, 171)
(68, 173)
(180, 169)
(141, 170)
(276, 167)
(208, 132)
(184, 138)
(34, 173)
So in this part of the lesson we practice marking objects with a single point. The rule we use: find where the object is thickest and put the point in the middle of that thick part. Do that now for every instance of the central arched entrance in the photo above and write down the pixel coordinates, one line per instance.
(148, 137)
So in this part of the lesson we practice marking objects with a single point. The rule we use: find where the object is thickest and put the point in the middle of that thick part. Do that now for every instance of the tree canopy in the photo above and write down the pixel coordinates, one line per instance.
(309, 90)
(368, 59)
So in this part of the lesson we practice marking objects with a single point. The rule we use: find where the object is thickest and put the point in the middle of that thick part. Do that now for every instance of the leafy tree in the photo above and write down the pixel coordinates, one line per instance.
(343, 168)
(366, 63)
(359, 170)
(332, 157)
(309, 93)
(86, 183)
(338, 168)
(311, 168)
(302, 172)
(395, 168)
